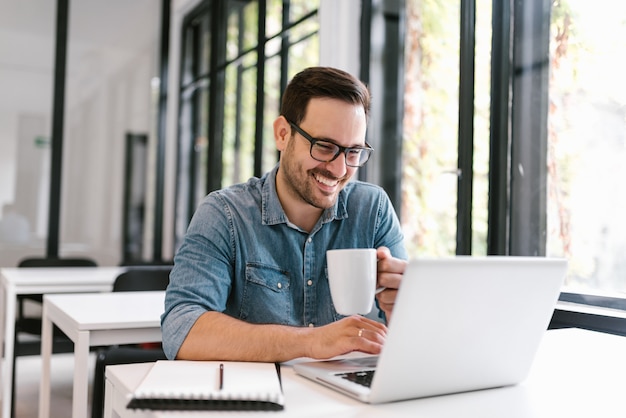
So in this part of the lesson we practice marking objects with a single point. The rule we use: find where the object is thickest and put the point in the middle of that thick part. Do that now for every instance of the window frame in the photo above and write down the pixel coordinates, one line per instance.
(217, 12)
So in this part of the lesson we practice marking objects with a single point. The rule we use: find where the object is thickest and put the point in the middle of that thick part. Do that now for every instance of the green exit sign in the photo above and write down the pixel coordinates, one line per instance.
(41, 142)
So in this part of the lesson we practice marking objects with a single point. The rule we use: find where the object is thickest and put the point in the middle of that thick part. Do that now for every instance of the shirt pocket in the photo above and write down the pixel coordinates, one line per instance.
(266, 295)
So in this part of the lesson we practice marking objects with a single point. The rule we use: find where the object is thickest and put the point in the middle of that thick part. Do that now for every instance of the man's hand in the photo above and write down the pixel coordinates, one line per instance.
(390, 272)
(353, 333)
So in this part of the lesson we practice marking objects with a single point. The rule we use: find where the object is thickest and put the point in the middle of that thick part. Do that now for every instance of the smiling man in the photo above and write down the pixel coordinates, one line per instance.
(249, 281)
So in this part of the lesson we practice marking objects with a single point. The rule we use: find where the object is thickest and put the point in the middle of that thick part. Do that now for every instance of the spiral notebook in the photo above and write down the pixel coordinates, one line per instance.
(209, 385)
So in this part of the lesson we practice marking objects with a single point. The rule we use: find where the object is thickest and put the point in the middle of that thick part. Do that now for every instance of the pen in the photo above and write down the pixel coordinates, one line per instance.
(221, 375)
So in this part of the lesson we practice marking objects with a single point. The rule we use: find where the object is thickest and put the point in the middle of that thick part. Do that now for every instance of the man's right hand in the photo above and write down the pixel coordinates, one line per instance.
(353, 333)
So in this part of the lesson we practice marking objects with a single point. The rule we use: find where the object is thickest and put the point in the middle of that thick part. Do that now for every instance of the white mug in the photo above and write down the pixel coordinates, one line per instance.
(352, 279)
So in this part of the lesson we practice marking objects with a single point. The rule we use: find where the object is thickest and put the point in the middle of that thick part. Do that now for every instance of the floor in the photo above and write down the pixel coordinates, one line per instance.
(28, 375)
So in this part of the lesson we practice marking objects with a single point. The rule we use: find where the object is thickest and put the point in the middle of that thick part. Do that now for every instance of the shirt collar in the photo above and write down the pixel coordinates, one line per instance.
(272, 210)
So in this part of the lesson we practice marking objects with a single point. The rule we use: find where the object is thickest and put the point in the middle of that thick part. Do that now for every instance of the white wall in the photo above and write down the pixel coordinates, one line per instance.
(8, 156)
(340, 34)
(109, 94)
(112, 58)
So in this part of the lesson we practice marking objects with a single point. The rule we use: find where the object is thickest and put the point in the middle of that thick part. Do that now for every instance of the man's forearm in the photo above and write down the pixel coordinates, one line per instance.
(217, 336)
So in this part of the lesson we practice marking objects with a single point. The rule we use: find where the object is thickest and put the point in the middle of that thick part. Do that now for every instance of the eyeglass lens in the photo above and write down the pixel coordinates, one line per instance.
(327, 151)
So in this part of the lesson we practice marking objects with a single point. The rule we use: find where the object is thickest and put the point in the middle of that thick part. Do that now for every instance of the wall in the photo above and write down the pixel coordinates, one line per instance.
(112, 59)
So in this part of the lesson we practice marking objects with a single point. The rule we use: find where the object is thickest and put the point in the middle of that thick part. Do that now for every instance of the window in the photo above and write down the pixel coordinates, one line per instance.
(431, 172)
(548, 180)
(237, 57)
(587, 131)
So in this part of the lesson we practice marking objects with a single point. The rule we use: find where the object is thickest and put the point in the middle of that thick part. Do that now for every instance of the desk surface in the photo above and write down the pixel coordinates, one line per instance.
(59, 276)
(576, 373)
(94, 311)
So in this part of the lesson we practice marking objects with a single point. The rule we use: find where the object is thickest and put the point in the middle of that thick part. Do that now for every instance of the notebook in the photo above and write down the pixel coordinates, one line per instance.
(459, 324)
(209, 385)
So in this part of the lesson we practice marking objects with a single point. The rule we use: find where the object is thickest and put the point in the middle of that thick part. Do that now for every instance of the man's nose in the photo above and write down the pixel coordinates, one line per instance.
(338, 166)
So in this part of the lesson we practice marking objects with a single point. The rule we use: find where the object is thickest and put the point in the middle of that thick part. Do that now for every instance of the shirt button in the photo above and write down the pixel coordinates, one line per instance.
(280, 286)
(311, 325)
(310, 282)
(309, 240)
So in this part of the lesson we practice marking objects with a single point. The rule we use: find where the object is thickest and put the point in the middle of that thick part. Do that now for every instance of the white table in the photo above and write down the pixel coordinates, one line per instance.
(91, 320)
(22, 281)
(576, 373)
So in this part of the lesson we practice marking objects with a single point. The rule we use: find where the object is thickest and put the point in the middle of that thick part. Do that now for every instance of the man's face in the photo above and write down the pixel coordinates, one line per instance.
(314, 182)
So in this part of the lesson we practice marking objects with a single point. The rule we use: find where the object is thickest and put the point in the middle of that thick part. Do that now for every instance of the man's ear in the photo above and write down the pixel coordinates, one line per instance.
(282, 132)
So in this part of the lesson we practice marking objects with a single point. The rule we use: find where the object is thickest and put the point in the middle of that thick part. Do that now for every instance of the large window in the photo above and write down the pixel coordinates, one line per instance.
(512, 117)
(547, 141)
(237, 58)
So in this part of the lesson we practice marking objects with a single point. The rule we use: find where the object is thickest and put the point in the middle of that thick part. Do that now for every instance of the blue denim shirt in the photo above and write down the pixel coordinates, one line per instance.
(243, 257)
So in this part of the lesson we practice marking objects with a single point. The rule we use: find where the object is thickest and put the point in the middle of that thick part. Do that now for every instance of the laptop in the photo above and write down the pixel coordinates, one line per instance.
(459, 324)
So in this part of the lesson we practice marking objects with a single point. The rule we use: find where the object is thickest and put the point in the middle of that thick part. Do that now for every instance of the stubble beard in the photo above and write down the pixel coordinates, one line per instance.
(301, 185)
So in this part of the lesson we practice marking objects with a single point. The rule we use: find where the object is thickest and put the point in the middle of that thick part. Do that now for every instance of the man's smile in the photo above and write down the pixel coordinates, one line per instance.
(326, 181)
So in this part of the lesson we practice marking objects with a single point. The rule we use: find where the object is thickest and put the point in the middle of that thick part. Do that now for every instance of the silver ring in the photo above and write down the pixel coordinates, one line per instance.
(361, 332)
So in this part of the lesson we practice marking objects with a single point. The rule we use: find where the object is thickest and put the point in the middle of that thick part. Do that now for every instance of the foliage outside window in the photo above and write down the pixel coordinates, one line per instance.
(431, 127)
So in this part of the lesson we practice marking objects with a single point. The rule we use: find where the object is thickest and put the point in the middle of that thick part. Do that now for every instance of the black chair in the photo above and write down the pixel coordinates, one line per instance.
(29, 326)
(134, 279)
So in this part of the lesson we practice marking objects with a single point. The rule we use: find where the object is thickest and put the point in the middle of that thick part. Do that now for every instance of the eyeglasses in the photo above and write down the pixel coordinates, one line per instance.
(326, 151)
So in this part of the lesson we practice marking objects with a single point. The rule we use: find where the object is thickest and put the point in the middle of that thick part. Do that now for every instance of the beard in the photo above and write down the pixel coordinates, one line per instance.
(302, 183)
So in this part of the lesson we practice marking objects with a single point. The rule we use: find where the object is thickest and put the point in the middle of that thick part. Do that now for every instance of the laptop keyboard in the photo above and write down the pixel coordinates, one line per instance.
(361, 377)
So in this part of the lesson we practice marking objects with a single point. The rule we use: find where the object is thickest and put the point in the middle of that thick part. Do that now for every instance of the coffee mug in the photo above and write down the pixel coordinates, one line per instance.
(352, 279)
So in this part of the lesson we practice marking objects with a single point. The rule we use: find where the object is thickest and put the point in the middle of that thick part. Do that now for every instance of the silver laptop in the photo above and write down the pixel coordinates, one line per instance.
(459, 324)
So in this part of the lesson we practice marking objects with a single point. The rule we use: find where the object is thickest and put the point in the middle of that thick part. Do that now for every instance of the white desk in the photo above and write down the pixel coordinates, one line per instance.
(95, 319)
(22, 281)
(576, 373)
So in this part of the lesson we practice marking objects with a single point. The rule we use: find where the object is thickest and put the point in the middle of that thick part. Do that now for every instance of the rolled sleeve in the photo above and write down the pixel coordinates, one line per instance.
(176, 325)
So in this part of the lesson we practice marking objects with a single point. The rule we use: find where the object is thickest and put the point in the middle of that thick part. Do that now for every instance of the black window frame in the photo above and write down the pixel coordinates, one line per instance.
(218, 12)
(517, 203)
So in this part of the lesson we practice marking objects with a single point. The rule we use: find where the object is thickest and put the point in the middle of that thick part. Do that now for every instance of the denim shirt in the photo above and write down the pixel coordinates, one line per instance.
(241, 256)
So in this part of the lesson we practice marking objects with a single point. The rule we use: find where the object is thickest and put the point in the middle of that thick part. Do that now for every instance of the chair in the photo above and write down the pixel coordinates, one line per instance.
(134, 279)
(51, 262)
(31, 325)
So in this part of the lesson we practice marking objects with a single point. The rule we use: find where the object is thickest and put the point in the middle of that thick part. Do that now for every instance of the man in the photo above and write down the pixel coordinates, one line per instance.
(249, 281)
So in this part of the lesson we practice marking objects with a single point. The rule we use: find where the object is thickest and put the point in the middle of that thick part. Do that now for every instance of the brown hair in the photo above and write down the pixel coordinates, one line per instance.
(322, 82)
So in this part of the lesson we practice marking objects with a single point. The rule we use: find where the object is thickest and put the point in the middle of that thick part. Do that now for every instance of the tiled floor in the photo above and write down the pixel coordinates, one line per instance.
(28, 376)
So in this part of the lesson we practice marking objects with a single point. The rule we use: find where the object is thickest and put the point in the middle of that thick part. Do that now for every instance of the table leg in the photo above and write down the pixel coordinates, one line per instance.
(46, 354)
(8, 325)
(81, 375)
(108, 402)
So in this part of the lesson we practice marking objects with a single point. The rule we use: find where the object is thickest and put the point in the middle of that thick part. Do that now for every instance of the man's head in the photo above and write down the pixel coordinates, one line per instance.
(322, 109)
(322, 82)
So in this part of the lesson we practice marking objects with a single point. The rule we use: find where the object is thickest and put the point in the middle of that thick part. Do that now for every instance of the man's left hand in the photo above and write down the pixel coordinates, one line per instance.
(390, 272)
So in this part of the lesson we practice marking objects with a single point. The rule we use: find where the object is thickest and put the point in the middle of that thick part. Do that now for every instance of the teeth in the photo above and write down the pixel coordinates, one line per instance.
(326, 181)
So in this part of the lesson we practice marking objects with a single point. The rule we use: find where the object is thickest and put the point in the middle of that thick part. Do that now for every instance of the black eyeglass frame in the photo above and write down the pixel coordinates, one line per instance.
(367, 149)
